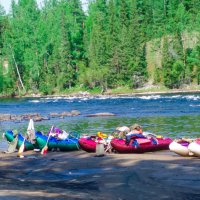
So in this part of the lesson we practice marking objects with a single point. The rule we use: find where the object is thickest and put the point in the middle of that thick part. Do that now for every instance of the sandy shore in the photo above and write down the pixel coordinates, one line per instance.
(80, 175)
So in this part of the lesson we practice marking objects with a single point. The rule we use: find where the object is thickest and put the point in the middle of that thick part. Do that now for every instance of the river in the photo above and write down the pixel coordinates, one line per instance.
(171, 115)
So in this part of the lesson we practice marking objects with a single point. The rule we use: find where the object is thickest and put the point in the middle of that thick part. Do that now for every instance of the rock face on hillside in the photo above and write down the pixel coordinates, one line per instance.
(154, 51)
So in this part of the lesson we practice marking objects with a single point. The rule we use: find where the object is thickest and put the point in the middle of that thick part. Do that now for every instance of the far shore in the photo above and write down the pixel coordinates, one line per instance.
(120, 94)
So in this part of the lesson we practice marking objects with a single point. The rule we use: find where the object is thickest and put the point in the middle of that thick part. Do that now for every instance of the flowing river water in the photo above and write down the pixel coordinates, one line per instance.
(171, 115)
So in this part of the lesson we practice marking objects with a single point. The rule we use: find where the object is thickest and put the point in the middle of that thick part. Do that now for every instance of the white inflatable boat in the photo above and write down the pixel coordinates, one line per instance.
(181, 148)
(194, 147)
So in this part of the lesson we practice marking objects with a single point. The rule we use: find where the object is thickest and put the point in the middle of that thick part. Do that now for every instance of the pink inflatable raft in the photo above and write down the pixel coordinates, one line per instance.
(89, 143)
(138, 144)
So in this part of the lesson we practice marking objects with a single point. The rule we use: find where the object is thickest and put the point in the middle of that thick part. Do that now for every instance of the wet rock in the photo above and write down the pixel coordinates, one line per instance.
(38, 118)
(75, 112)
(45, 118)
(66, 114)
(5, 117)
(101, 114)
(16, 118)
(35, 116)
(63, 114)
(30, 116)
(54, 114)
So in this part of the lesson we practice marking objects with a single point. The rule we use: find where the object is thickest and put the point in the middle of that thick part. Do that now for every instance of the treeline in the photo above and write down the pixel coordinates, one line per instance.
(59, 46)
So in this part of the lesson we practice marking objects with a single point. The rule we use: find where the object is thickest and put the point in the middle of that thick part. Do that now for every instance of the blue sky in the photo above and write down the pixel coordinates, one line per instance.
(6, 3)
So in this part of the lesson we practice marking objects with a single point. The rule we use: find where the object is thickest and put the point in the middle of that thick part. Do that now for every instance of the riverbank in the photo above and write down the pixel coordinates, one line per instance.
(118, 93)
(123, 91)
(80, 175)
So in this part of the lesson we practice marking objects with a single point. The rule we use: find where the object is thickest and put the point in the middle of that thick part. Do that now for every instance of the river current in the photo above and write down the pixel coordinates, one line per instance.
(175, 115)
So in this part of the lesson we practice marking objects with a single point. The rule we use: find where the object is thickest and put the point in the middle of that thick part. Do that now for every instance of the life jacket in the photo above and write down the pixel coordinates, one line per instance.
(102, 135)
(133, 136)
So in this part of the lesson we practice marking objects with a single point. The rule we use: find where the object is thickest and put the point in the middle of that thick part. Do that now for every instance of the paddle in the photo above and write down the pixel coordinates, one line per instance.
(45, 148)
(21, 149)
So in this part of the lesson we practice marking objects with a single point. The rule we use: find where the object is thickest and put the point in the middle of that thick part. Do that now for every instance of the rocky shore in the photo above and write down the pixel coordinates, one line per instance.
(80, 175)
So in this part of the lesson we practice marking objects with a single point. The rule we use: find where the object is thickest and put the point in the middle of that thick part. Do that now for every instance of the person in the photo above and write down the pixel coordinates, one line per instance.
(135, 130)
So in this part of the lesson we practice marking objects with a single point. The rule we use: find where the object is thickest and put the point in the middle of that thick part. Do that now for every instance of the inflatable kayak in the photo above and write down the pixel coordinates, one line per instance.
(186, 147)
(89, 143)
(9, 136)
(138, 144)
(194, 147)
(68, 144)
(180, 147)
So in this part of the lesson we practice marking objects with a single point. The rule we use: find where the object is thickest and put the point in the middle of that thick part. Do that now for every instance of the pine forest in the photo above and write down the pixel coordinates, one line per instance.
(59, 47)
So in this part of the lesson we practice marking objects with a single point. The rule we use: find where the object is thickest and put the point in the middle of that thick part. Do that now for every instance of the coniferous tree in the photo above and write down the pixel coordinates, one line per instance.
(20, 42)
(113, 43)
(97, 58)
(137, 60)
(57, 47)
(2, 28)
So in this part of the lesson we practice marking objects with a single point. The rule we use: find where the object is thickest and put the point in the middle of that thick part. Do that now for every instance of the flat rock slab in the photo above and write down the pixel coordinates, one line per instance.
(105, 114)
(80, 175)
